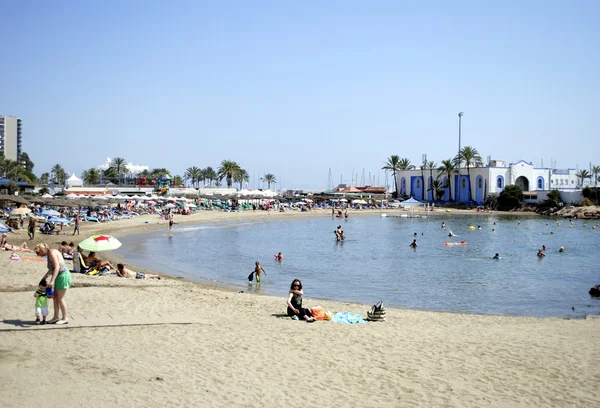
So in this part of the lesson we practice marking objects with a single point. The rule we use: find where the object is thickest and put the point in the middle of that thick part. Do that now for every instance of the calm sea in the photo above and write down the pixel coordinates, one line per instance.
(376, 263)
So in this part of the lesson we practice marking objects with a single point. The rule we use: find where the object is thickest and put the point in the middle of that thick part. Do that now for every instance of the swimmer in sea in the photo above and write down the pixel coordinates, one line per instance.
(497, 256)
(279, 257)
(562, 249)
(339, 233)
(413, 244)
(451, 234)
(541, 253)
(544, 248)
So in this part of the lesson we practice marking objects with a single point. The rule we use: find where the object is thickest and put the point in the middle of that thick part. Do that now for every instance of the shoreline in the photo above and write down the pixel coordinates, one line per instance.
(177, 342)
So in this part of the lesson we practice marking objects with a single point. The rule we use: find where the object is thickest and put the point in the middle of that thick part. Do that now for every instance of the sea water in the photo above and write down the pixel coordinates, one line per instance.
(375, 261)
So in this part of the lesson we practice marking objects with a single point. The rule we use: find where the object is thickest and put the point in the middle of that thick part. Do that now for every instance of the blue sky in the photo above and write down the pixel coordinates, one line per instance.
(298, 88)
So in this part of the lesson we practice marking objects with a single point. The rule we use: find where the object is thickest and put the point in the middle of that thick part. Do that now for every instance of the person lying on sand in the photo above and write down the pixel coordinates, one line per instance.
(14, 248)
(129, 274)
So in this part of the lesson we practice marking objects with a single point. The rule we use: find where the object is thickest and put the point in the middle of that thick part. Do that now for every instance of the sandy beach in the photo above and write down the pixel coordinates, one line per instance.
(172, 342)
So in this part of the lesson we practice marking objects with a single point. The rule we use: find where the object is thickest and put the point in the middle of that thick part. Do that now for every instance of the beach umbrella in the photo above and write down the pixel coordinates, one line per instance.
(47, 196)
(51, 213)
(343, 200)
(20, 211)
(191, 205)
(170, 206)
(98, 243)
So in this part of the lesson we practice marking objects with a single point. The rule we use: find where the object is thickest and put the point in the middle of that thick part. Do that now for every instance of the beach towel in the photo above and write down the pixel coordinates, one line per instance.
(348, 318)
(319, 314)
(34, 259)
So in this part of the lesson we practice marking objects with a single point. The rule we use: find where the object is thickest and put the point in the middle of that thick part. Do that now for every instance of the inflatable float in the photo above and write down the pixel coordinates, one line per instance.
(455, 243)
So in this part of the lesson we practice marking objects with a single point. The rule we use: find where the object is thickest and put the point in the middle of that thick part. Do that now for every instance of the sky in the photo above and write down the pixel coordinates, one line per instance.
(301, 89)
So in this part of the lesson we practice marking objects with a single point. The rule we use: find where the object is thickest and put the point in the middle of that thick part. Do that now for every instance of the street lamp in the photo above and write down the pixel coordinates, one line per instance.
(460, 115)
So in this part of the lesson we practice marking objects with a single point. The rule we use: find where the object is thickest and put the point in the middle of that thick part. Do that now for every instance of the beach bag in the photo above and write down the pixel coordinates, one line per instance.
(251, 276)
(377, 313)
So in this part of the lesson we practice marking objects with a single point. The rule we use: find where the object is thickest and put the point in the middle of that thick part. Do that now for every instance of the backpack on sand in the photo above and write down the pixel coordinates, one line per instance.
(377, 313)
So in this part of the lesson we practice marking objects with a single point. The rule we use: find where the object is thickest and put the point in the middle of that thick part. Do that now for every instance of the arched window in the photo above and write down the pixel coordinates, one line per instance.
(540, 186)
(464, 183)
(480, 182)
(499, 181)
(403, 183)
(418, 183)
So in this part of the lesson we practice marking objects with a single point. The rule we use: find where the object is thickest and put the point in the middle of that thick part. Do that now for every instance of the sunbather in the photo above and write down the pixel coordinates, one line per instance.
(97, 263)
(129, 274)
(14, 248)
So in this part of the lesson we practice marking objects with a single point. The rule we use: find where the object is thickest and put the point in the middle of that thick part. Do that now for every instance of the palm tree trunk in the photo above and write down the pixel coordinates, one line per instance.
(396, 193)
(469, 178)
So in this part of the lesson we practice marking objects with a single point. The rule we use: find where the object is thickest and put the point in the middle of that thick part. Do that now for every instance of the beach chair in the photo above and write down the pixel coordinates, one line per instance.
(80, 266)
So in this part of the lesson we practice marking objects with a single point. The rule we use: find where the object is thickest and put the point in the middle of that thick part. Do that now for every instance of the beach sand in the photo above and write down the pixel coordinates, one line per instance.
(171, 342)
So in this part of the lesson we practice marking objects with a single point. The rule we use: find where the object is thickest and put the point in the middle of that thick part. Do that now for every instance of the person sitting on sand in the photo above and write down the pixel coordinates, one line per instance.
(97, 263)
(294, 303)
(66, 250)
(14, 248)
(129, 274)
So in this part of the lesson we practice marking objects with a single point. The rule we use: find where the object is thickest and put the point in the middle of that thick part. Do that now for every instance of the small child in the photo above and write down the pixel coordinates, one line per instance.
(41, 303)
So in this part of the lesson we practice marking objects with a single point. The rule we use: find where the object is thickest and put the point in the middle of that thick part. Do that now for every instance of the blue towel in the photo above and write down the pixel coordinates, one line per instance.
(348, 317)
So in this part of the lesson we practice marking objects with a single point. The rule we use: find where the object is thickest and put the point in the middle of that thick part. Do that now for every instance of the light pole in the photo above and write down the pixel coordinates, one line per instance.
(460, 115)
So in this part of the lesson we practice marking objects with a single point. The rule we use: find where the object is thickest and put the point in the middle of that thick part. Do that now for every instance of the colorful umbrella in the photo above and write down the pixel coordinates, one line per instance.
(51, 213)
(98, 243)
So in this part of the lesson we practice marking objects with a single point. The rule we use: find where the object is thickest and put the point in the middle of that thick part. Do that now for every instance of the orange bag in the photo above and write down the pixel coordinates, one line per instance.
(318, 313)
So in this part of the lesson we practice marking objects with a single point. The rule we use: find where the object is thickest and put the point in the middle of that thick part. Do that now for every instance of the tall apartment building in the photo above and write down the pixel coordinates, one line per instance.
(10, 137)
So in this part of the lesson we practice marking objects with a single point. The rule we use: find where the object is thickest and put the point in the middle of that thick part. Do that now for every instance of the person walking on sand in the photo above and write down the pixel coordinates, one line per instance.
(171, 222)
(31, 228)
(257, 271)
(76, 228)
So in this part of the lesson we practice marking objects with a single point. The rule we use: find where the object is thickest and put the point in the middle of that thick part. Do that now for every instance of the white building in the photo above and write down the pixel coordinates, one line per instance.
(10, 137)
(492, 178)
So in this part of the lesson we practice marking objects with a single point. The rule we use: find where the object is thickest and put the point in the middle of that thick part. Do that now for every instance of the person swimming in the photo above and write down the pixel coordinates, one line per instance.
(497, 256)
(541, 253)
(339, 233)
(451, 234)
(562, 249)
(413, 244)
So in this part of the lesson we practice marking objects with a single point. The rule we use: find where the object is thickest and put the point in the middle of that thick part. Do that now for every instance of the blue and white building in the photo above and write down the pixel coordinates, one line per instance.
(484, 180)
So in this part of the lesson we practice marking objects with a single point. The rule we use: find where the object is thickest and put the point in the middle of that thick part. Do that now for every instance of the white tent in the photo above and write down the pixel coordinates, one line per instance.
(411, 202)
(74, 181)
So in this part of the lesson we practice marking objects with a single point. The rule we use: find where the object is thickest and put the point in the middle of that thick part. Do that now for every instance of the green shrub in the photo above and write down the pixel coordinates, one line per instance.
(586, 202)
(510, 198)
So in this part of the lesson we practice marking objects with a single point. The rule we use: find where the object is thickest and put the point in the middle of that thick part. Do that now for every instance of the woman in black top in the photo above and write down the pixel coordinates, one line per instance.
(294, 303)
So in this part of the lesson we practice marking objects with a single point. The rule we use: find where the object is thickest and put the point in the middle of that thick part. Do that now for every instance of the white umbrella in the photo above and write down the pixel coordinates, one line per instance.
(51, 213)
(308, 200)
(20, 211)
(300, 203)
(47, 196)
(72, 196)
(170, 206)
(191, 205)
(343, 200)
(97, 243)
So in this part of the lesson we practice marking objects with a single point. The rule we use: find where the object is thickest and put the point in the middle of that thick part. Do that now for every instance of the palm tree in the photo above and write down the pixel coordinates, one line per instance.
(16, 171)
(431, 166)
(193, 174)
(422, 167)
(177, 181)
(228, 171)
(58, 174)
(437, 189)
(448, 169)
(90, 176)
(210, 174)
(119, 165)
(595, 172)
(470, 156)
(44, 178)
(241, 177)
(582, 175)
(393, 165)
(404, 164)
(269, 178)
